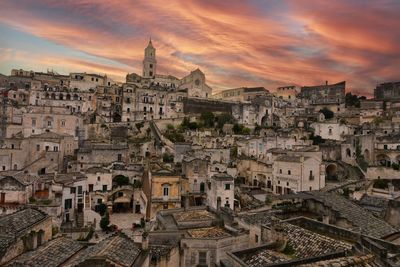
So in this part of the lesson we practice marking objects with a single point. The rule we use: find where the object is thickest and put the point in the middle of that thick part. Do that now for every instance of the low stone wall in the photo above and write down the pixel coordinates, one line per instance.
(382, 173)
(197, 105)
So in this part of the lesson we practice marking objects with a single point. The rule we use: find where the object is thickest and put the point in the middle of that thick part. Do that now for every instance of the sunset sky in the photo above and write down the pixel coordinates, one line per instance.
(235, 43)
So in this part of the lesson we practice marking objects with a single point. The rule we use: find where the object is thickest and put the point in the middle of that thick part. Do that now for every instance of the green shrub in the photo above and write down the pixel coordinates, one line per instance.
(121, 180)
(105, 221)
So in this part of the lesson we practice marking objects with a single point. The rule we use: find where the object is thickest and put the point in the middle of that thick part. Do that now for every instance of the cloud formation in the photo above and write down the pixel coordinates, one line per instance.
(236, 43)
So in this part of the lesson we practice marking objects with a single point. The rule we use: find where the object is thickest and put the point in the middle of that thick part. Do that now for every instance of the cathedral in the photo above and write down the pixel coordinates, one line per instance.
(194, 82)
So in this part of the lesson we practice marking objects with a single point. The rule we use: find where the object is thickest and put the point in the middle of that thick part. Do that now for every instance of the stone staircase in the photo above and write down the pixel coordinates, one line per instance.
(80, 219)
(87, 202)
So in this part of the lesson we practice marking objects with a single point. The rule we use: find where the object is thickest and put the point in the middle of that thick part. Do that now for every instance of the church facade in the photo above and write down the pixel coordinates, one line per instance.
(194, 82)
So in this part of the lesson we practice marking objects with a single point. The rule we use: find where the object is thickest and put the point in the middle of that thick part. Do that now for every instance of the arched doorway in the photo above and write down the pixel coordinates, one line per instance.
(331, 172)
(348, 152)
(383, 160)
(367, 155)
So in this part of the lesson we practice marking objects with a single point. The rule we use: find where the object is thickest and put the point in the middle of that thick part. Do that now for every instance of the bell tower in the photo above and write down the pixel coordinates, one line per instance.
(149, 61)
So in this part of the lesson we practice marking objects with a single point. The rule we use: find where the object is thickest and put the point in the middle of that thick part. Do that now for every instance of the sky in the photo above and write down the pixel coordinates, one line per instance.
(239, 43)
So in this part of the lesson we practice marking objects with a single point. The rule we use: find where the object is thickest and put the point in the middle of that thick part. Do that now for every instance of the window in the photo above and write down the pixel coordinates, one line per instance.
(227, 186)
(4, 168)
(49, 123)
(55, 148)
(280, 171)
(12, 146)
(330, 131)
(62, 123)
(72, 191)
(104, 187)
(119, 157)
(99, 201)
(80, 190)
(128, 110)
(311, 176)
(385, 147)
(98, 178)
(37, 147)
(256, 238)
(202, 258)
(165, 190)
(68, 204)
(33, 122)
(289, 172)
(47, 148)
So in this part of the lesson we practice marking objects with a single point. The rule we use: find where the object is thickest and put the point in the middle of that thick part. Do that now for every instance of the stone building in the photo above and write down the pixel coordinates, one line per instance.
(16, 188)
(288, 93)
(242, 94)
(23, 231)
(330, 96)
(221, 191)
(387, 91)
(162, 188)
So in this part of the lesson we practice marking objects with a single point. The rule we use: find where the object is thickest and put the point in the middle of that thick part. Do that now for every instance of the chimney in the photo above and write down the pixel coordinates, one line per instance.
(145, 242)
(186, 203)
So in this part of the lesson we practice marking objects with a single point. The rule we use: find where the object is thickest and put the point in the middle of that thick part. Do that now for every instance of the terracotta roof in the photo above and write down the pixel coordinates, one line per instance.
(208, 232)
(193, 215)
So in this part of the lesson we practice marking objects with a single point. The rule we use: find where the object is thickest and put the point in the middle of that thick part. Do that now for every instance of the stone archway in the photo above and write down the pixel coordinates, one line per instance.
(348, 152)
(383, 160)
(331, 171)
(367, 155)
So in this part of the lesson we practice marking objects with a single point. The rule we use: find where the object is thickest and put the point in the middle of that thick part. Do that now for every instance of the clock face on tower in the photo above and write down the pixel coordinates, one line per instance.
(197, 82)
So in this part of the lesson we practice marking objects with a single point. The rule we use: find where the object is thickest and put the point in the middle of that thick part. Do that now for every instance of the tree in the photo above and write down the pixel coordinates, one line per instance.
(208, 119)
(139, 125)
(121, 180)
(224, 118)
(170, 127)
(102, 209)
(246, 131)
(168, 158)
(353, 100)
(327, 113)
(105, 221)
(237, 128)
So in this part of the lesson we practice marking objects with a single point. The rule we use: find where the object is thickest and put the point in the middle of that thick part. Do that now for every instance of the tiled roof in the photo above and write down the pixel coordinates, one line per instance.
(305, 244)
(369, 224)
(118, 249)
(208, 232)
(158, 251)
(12, 225)
(52, 254)
(264, 257)
(308, 244)
(257, 218)
(20, 220)
(193, 215)
(352, 261)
